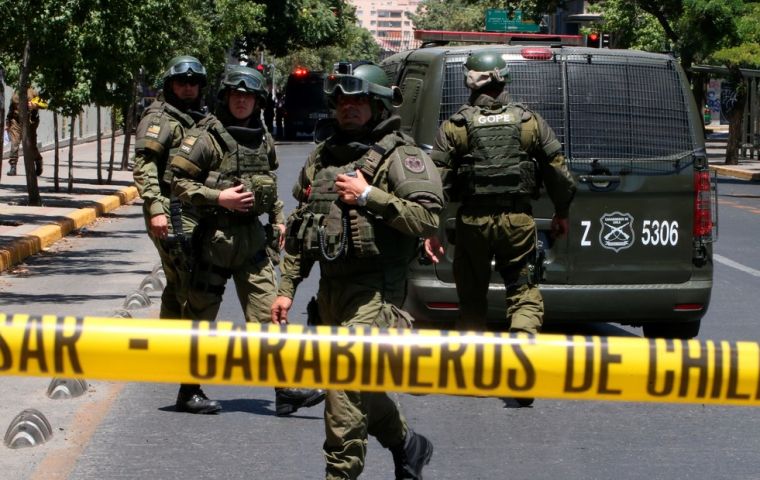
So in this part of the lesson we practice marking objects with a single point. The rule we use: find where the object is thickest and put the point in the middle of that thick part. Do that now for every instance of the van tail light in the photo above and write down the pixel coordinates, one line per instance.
(703, 223)
(536, 53)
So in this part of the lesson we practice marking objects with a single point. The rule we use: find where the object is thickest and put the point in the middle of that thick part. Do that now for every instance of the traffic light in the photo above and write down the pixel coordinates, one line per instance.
(592, 40)
(605, 40)
(260, 67)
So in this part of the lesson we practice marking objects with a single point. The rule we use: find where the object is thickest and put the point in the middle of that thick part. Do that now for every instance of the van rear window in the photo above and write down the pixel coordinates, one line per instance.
(617, 112)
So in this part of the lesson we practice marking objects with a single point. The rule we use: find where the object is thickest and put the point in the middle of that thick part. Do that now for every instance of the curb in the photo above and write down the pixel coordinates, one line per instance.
(739, 173)
(42, 237)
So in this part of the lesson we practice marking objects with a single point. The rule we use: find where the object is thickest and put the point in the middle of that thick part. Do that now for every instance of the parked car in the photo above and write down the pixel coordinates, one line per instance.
(639, 250)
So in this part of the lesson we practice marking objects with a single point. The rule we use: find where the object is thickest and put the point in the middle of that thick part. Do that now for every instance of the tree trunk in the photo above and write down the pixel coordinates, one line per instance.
(32, 188)
(113, 145)
(735, 116)
(57, 156)
(71, 155)
(99, 154)
(128, 125)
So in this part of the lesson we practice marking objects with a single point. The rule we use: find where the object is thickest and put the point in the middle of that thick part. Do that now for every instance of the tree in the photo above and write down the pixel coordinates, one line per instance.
(295, 24)
(31, 41)
(357, 45)
(470, 15)
(745, 54)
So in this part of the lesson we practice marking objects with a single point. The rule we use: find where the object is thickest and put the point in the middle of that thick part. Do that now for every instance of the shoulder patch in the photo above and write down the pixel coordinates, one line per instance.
(187, 144)
(153, 131)
(414, 164)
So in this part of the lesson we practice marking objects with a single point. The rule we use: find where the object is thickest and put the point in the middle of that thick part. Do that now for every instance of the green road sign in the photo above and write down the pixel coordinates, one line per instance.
(497, 20)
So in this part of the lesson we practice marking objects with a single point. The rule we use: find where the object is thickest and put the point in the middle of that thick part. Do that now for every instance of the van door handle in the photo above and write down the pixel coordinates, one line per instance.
(599, 178)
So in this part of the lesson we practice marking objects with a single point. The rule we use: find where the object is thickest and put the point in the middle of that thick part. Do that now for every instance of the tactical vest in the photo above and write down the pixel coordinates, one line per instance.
(245, 161)
(497, 165)
(159, 141)
(328, 229)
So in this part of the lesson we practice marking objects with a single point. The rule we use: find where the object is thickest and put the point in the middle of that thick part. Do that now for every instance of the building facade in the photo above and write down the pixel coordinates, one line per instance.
(388, 23)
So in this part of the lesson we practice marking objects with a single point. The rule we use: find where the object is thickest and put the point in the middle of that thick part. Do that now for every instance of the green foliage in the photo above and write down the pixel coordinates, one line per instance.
(289, 25)
(470, 15)
(629, 26)
(85, 51)
(357, 44)
(745, 52)
(746, 55)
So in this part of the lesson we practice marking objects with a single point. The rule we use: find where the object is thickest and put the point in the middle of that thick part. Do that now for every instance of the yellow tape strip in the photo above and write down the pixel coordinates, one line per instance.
(424, 361)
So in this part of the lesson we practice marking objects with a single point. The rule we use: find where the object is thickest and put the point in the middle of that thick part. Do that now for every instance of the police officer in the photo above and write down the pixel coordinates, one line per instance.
(225, 169)
(159, 134)
(491, 154)
(366, 193)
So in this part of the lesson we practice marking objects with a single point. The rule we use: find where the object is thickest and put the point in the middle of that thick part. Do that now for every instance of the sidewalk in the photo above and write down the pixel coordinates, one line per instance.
(715, 142)
(26, 230)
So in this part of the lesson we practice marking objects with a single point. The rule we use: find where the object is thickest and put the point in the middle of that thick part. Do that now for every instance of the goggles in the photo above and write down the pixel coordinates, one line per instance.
(243, 82)
(350, 85)
(187, 68)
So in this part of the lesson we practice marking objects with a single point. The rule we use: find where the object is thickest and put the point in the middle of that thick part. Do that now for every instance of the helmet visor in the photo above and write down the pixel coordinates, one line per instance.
(187, 68)
(243, 82)
(350, 85)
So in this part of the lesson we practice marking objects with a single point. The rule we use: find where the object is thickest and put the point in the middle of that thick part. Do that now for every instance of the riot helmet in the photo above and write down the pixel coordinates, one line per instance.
(240, 78)
(185, 66)
(243, 79)
(366, 80)
(485, 68)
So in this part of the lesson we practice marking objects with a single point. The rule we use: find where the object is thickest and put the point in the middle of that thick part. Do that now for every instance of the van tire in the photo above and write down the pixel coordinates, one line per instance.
(679, 330)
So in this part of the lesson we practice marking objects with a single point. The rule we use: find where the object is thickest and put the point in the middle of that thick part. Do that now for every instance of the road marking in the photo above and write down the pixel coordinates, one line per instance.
(736, 265)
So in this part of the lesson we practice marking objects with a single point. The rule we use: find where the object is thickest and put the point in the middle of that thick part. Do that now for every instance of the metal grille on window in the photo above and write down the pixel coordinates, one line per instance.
(626, 115)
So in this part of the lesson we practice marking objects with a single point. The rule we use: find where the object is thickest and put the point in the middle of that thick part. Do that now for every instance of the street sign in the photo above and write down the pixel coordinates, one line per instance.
(498, 20)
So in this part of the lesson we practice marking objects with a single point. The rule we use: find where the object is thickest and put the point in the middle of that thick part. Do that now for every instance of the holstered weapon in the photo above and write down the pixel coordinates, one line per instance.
(536, 267)
(178, 240)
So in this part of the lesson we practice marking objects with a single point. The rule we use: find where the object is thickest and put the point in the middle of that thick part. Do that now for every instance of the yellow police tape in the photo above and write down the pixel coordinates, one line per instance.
(421, 361)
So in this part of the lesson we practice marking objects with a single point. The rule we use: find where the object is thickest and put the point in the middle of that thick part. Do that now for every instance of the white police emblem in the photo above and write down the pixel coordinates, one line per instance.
(617, 231)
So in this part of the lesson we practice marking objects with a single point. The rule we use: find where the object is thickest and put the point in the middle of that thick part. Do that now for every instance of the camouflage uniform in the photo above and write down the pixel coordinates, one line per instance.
(495, 178)
(229, 243)
(13, 124)
(363, 277)
(158, 138)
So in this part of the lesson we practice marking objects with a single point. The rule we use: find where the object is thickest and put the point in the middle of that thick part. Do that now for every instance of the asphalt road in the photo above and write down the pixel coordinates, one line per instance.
(131, 430)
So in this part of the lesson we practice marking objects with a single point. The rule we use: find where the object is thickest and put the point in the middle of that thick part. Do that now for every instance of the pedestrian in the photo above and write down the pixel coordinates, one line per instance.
(225, 169)
(177, 108)
(375, 193)
(492, 155)
(13, 127)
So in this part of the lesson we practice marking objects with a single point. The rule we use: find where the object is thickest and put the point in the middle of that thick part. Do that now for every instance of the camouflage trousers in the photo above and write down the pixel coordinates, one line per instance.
(510, 240)
(236, 252)
(351, 416)
(14, 132)
(175, 264)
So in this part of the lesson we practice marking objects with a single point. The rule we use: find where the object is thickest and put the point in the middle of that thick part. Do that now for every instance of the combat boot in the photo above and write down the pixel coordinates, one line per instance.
(411, 455)
(12, 171)
(193, 400)
(288, 400)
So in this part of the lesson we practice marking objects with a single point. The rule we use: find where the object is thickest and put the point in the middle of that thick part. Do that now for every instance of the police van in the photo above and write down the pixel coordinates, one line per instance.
(305, 104)
(639, 249)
